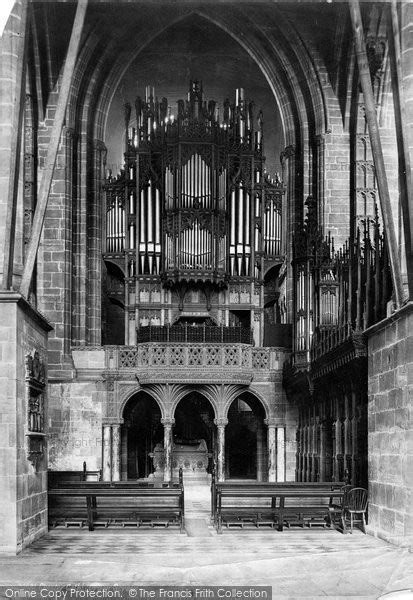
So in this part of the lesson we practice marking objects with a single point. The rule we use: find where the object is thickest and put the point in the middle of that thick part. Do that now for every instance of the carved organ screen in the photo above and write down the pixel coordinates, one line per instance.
(193, 203)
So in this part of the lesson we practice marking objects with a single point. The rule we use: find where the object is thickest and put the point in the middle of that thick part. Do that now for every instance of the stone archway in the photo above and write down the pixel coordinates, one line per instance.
(194, 437)
(245, 440)
(141, 434)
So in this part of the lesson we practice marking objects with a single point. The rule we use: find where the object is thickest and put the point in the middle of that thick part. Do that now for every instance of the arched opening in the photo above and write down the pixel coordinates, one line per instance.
(113, 307)
(193, 437)
(141, 432)
(195, 48)
(245, 442)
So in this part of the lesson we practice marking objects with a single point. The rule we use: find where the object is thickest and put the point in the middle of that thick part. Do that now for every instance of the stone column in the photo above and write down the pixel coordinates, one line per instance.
(167, 445)
(322, 451)
(280, 453)
(354, 445)
(259, 451)
(320, 149)
(334, 450)
(272, 451)
(94, 250)
(68, 269)
(124, 454)
(116, 452)
(221, 424)
(107, 453)
(289, 217)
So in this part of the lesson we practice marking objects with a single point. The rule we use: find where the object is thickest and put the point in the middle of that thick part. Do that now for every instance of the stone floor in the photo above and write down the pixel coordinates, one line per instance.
(297, 563)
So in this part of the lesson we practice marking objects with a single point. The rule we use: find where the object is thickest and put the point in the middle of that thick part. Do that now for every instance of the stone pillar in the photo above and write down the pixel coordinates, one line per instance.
(334, 449)
(116, 452)
(390, 426)
(124, 454)
(280, 453)
(289, 218)
(107, 453)
(167, 445)
(23, 454)
(68, 319)
(323, 450)
(259, 451)
(221, 424)
(320, 149)
(354, 441)
(94, 250)
(272, 451)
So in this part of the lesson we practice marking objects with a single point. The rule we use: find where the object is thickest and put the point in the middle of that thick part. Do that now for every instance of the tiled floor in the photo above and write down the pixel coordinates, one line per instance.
(297, 563)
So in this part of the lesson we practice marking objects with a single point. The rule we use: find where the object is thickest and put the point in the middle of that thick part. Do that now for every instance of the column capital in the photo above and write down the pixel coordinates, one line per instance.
(273, 422)
(111, 421)
(99, 146)
(288, 152)
(320, 138)
(69, 132)
(221, 422)
(168, 422)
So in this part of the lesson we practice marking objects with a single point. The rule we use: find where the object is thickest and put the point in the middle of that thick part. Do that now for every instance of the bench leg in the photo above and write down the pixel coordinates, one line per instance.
(89, 508)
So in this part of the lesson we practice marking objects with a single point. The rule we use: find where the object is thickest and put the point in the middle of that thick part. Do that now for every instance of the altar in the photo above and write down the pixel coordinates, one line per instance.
(192, 458)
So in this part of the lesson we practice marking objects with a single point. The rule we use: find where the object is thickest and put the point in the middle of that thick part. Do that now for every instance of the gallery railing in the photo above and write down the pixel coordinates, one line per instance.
(195, 333)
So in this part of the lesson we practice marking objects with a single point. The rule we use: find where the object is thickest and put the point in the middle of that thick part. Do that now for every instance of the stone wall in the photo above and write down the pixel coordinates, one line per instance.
(75, 432)
(23, 510)
(390, 425)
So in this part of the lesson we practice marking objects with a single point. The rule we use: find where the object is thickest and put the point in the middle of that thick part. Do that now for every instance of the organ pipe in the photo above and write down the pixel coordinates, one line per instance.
(191, 202)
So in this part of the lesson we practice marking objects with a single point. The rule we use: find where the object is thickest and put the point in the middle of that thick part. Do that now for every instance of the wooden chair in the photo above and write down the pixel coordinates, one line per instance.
(354, 508)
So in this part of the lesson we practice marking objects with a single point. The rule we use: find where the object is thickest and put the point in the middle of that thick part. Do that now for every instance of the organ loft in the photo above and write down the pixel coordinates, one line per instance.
(210, 270)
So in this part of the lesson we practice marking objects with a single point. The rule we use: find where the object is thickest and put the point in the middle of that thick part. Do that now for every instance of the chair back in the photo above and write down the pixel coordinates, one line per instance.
(356, 499)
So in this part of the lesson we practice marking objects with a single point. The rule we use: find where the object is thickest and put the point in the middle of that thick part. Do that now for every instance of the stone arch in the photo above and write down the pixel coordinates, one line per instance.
(269, 59)
(186, 390)
(264, 404)
(141, 433)
(245, 438)
(133, 391)
(288, 67)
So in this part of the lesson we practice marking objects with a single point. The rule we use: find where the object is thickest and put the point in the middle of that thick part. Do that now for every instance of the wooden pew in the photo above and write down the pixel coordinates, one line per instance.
(105, 504)
(62, 477)
(265, 485)
(236, 503)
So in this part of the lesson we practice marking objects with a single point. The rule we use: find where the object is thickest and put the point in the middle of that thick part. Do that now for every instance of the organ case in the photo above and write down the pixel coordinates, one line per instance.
(193, 205)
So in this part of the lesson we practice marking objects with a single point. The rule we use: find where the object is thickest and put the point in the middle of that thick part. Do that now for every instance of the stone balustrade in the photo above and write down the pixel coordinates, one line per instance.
(235, 361)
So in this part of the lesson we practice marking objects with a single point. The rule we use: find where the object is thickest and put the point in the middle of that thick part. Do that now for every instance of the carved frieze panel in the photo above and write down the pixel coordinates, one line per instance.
(35, 378)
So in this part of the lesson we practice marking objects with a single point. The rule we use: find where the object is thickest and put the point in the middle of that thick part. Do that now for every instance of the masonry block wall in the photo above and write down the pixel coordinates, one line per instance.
(75, 432)
(55, 253)
(390, 426)
(23, 510)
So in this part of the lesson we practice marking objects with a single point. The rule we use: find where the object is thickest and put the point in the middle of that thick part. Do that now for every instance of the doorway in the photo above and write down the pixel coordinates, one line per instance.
(141, 432)
(245, 441)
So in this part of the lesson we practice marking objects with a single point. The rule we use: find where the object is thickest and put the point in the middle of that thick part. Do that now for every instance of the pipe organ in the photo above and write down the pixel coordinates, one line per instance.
(193, 204)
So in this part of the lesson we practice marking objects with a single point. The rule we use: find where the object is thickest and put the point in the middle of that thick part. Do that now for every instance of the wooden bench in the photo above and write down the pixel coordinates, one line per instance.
(62, 477)
(271, 504)
(103, 503)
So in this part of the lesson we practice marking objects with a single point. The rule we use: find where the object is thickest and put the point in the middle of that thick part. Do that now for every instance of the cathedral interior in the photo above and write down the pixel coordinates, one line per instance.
(207, 252)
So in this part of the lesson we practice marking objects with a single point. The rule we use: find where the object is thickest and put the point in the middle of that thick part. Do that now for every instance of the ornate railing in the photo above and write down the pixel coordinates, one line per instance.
(158, 362)
(192, 355)
(195, 333)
